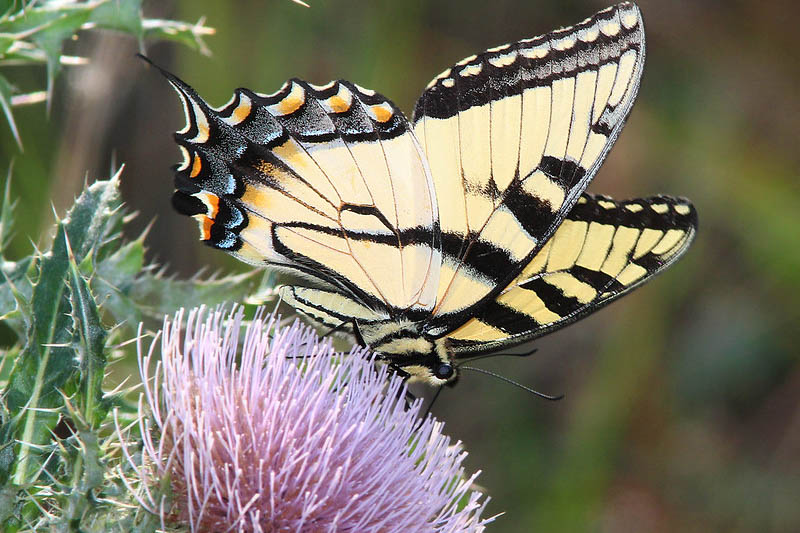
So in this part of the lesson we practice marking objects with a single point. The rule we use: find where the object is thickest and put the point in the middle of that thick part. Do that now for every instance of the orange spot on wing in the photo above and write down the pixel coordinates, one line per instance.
(205, 227)
(338, 104)
(213, 202)
(381, 113)
(197, 166)
(241, 111)
(290, 104)
(203, 133)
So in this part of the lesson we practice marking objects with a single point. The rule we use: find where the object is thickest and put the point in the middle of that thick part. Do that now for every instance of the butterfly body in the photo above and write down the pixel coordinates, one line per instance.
(462, 231)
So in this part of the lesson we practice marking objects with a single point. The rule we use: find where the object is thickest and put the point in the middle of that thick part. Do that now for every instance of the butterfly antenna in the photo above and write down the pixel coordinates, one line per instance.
(512, 382)
(428, 408)
(486, 356)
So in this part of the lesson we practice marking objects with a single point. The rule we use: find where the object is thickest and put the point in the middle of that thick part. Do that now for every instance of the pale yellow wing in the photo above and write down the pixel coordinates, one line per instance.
(513, 136)
(601, 251)
(330, 309)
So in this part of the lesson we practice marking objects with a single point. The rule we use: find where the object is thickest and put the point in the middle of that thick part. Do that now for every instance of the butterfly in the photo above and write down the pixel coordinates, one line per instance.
(457, 233)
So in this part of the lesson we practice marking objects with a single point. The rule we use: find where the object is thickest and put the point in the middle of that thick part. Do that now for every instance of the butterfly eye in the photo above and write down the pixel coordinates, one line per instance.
(445, 371)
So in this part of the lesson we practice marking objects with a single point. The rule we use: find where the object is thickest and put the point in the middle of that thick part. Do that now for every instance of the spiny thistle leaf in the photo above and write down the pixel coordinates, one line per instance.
(89, 341)
(122, 16)
(158, 296)
(53, 24)
(34, 33)
(187, 34)
(15, 285)
(7, 497)
(41, 16)
(7, 454)
(132, 291)
(114, 277)
(6, 213)
(82, 452)
(6, 92)
(47, 362)
(16, 290)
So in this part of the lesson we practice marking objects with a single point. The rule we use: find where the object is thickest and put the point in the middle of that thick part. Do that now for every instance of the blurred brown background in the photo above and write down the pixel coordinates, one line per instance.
(682, 408)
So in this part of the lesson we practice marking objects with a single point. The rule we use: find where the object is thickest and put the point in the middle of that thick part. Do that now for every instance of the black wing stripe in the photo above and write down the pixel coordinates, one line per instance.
(510, 69)
(507, 319)
(512, 130)
(648, 235)
(600, 281)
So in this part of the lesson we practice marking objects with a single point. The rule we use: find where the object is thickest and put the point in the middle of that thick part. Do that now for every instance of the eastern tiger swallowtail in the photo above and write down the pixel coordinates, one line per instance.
(458, 233)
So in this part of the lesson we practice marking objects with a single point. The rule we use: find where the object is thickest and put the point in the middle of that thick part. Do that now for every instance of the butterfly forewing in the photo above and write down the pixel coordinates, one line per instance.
(514, 135)
(316, 180)
(601, 251)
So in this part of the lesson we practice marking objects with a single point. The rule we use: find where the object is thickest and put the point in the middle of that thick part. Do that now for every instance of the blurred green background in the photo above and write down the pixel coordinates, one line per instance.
(682, 408)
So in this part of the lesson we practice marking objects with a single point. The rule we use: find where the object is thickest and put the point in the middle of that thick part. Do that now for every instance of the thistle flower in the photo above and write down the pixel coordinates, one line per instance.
(295, 437)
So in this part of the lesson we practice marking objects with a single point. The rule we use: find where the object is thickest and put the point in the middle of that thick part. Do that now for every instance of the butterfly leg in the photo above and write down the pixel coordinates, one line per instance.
(324, 335)
(357, 333)
(428, 408)
(333, 330)
(330, 332)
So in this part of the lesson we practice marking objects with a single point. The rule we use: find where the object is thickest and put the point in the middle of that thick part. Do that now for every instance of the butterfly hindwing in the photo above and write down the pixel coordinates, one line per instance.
(328, 308)
(601, 251)
(514, 135)
(315, 180)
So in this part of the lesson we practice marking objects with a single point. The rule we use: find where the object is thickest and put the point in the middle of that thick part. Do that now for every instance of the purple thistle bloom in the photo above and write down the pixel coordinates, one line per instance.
(295, 437)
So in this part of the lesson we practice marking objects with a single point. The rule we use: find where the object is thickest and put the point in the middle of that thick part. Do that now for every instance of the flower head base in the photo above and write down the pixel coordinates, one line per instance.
(294, 437)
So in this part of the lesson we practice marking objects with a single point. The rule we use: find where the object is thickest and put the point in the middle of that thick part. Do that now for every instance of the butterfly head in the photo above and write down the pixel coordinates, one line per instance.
(421, 359)
(436, 373)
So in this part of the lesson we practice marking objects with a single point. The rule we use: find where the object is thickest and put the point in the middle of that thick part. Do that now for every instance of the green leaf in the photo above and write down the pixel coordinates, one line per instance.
(132, 291)
(94, 216)
(47, 363)
(114, 278)
(38, 17)
(6, 92)
(121, 267)
(8, 496)
(89, 341)
(5, 8)
(123, 16)
(7, 454)
(158, 296)
(88, 474)
(6, 41)
(51, 39)
(15, 285)
(169, 30)
(6, 213)
(39, 29)
(16, 291)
